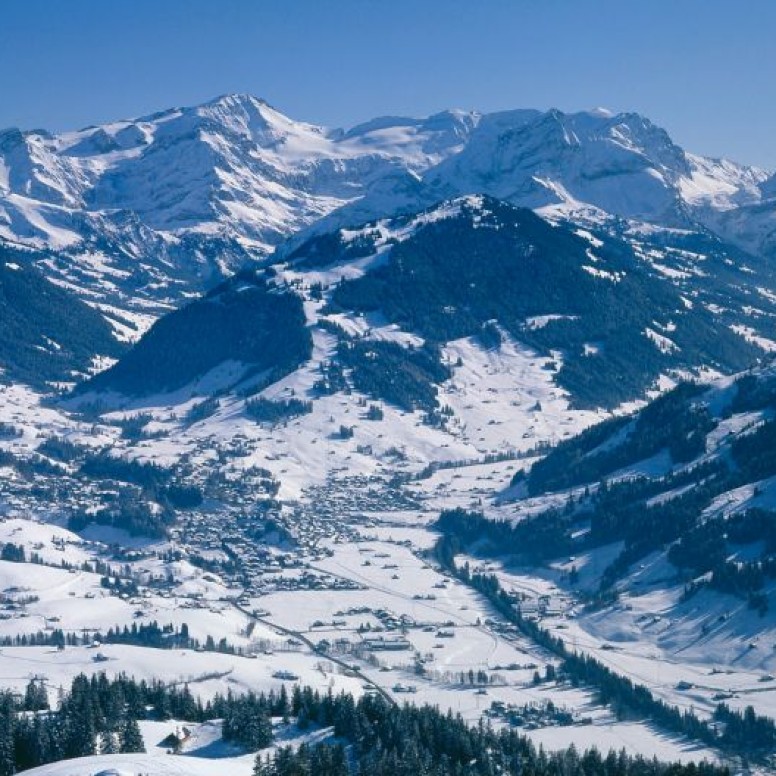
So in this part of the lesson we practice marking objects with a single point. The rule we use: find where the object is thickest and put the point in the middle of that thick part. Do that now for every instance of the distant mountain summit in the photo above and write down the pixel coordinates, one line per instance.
(171, 202)
(142, 212)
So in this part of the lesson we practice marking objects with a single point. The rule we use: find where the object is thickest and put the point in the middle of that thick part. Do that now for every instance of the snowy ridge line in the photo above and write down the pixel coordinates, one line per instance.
(115, 203)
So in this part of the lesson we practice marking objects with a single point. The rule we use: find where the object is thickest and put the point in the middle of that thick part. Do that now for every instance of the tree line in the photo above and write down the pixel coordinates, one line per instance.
(100, 715)
(746, 734)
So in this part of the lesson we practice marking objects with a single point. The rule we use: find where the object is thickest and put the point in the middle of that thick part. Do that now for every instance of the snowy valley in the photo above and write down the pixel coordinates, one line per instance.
(427, 410)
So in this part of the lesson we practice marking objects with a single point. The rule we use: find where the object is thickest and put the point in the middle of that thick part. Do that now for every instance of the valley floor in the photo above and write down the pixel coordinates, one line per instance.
(343, 593)
(400, 627)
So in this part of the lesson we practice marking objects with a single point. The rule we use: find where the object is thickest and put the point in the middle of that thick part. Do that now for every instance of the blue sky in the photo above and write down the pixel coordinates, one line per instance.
(703, 69)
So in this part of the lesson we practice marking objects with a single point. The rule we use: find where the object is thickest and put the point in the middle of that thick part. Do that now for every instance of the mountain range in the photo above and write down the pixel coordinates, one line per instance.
(139, 217)
(140, 213)
(522, 358)
(269, 266)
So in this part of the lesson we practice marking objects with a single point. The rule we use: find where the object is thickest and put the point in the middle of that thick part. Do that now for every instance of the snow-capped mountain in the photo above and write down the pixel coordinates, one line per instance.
(622, 164)
(595, 165)
(632, 289)
(144, 211)
(468, 267)
(272, 483)
(167, 203)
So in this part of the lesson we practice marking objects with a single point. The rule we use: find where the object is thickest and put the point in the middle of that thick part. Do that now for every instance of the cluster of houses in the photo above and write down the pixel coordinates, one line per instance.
(537, 607)
(532, 716)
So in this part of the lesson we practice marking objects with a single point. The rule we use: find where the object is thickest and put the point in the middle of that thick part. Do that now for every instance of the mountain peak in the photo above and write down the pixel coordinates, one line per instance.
(235, 168)
(248, 116)
(237, 99)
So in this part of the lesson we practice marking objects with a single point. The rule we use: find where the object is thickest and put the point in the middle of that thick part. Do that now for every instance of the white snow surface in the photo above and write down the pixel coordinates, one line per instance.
(189, 194)
(253, 176)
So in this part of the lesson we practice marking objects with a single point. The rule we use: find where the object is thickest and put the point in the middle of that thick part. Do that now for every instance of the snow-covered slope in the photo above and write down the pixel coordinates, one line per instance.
(47, 333)
(671, 511)
(615, 312)
(469, 330)
(156, 205)
(649, 541)
(143, 211)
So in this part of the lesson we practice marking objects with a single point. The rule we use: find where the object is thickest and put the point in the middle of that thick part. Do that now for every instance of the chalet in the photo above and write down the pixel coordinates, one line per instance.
(177, 738)
(382, 644)
(286, 675)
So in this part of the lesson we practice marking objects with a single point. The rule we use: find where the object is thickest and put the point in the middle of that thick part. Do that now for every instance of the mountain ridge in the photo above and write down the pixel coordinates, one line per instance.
(145, 210)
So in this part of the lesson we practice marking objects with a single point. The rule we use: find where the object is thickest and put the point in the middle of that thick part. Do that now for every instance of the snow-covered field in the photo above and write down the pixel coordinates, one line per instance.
(206, 673)
(374, 579)
(147, 764)
(690, 653)
(445, 623)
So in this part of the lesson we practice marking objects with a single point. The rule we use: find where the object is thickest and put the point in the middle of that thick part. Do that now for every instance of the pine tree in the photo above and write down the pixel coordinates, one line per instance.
(109, 744)
(283, 705)
(35, 696)
(264, 766)
(131, 739)
(7, 764)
